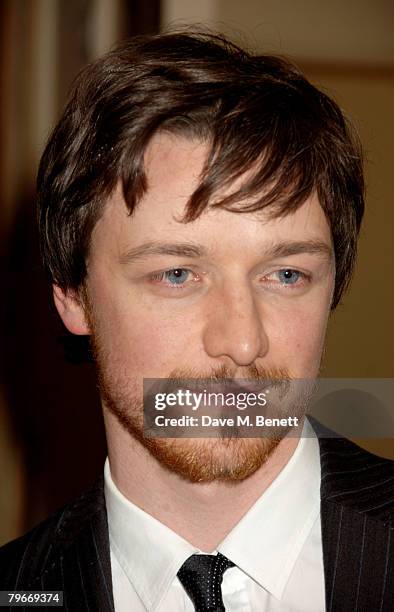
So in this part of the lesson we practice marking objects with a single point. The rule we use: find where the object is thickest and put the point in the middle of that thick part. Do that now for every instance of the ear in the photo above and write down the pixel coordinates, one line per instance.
(71, 311)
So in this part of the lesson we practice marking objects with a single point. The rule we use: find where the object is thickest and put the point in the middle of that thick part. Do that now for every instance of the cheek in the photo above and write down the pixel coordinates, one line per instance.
(149, 342)
(297, 339)
(308, 336)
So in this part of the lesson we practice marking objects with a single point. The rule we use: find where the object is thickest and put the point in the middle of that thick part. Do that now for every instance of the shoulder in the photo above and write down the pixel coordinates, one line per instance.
(355, 478)
(24, 560)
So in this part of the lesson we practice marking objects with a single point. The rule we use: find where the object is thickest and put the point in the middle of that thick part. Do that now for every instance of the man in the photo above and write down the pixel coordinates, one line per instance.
(199, 210)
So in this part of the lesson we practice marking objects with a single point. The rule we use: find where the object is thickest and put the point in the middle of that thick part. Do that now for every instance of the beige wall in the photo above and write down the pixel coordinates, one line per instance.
(338, 30)
(361, 338)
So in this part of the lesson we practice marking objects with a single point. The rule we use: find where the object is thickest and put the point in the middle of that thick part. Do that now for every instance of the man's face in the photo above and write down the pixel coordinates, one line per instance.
(234, 293)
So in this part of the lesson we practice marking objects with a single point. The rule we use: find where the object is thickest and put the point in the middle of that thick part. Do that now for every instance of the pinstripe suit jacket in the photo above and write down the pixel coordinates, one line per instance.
(70, 551)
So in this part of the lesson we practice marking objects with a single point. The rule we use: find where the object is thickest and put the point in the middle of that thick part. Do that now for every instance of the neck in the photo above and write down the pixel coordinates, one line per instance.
(201, 513)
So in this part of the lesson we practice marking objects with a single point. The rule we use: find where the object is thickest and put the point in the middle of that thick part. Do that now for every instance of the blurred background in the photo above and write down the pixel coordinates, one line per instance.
(51, 434)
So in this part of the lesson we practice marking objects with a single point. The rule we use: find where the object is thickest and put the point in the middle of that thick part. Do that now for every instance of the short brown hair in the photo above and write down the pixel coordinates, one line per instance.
(257, 111)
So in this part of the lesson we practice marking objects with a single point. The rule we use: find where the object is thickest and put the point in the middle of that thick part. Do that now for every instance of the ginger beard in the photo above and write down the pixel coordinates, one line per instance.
(194, 459)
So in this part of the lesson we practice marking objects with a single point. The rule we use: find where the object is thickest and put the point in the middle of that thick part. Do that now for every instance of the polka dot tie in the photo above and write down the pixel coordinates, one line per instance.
(201, 577)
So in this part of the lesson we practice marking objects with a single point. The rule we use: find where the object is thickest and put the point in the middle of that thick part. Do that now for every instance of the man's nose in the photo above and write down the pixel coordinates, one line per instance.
(235, 328)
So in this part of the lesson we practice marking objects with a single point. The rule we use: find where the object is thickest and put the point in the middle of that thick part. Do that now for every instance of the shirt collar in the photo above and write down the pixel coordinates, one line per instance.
(268, 540)
(265, 544)
(148, 551)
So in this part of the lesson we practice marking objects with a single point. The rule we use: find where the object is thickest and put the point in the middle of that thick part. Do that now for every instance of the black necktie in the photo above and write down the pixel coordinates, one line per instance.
(201, 576)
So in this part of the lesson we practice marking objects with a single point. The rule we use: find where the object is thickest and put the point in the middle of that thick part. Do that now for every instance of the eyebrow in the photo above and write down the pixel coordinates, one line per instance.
(312, 247)
(180, 249)
(193, 250)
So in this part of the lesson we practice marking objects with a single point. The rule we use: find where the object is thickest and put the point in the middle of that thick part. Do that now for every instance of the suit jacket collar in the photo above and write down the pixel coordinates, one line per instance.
(357, 520)
(76, 554)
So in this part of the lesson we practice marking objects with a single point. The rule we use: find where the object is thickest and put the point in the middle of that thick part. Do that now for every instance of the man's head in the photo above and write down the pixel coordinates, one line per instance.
(199, 211)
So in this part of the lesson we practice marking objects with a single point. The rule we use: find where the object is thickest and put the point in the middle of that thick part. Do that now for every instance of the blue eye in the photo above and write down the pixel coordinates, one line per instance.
(177, 276)
(174, 278)
(288, 276)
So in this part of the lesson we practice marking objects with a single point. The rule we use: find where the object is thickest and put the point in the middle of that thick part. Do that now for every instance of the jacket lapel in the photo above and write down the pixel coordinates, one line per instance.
(79, 555)
(357, 511)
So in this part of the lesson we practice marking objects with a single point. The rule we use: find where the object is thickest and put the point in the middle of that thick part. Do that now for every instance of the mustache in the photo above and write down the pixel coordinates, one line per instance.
(224, 373)
(222, 379)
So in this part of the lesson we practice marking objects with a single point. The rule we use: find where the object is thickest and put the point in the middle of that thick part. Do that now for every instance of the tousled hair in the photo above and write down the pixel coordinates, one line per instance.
(258, 113)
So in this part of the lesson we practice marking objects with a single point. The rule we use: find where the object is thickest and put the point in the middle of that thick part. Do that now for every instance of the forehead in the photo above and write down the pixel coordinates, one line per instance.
(173, 168)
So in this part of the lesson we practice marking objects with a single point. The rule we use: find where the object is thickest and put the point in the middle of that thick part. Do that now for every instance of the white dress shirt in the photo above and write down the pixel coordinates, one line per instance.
(276, 548)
